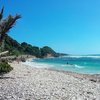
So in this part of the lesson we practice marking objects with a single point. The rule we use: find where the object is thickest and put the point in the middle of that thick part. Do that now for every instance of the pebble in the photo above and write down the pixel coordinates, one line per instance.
(42, 84)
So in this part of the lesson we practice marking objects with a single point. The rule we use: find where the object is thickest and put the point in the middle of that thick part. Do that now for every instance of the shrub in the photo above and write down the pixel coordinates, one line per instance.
(23, 59)
(5, 67)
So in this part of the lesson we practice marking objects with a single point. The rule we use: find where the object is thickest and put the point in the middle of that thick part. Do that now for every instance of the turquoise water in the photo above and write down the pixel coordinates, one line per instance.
(85, 65)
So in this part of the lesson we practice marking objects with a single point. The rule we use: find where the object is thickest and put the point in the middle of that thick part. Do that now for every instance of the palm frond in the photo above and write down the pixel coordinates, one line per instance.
(1, 13)
(9, 23)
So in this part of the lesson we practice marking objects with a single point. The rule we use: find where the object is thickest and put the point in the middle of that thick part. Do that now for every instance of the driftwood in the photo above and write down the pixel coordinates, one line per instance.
(4, 53)
(4, 57)
(8, 58)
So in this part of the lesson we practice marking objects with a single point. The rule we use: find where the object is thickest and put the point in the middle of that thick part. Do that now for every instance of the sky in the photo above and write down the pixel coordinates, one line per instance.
(68, 26)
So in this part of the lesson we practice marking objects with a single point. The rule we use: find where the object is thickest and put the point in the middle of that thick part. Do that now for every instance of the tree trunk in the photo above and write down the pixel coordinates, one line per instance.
(2, 44)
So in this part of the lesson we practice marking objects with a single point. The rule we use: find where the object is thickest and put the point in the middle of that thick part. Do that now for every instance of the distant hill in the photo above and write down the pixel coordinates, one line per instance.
(63, 54)
(16, 48)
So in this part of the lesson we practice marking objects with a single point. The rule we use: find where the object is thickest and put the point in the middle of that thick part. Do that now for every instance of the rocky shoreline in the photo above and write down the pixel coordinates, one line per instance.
(90, 77)
(28, 83)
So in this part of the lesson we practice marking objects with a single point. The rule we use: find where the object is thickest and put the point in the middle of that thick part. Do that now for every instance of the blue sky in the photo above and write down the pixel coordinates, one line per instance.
(69, 26)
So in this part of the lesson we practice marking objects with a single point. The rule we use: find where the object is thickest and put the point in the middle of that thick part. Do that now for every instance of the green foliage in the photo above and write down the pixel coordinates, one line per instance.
(15, 52)
(47, 50)
(5, 67)
(13, 46)
(16, 48)
(29, 49)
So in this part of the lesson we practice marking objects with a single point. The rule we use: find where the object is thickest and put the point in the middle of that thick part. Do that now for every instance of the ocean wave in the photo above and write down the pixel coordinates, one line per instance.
(73, 65)
(37, 65)
(63, 65)
(77, 66)
(95, 57)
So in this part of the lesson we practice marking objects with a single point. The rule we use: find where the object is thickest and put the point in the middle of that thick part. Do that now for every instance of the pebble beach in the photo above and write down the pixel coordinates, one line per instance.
(30, 83)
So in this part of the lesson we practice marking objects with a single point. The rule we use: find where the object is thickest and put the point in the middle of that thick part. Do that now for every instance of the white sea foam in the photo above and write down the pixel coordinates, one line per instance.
(63, 65)
(37, 65)
(77, 66)
(43, 65)
(98, 57)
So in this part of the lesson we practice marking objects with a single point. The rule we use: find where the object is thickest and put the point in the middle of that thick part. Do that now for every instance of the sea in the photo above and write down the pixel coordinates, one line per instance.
(78, 64)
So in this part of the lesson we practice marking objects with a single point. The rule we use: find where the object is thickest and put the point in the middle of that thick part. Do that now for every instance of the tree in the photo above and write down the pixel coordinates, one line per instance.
(6, 25)
(47, 50)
